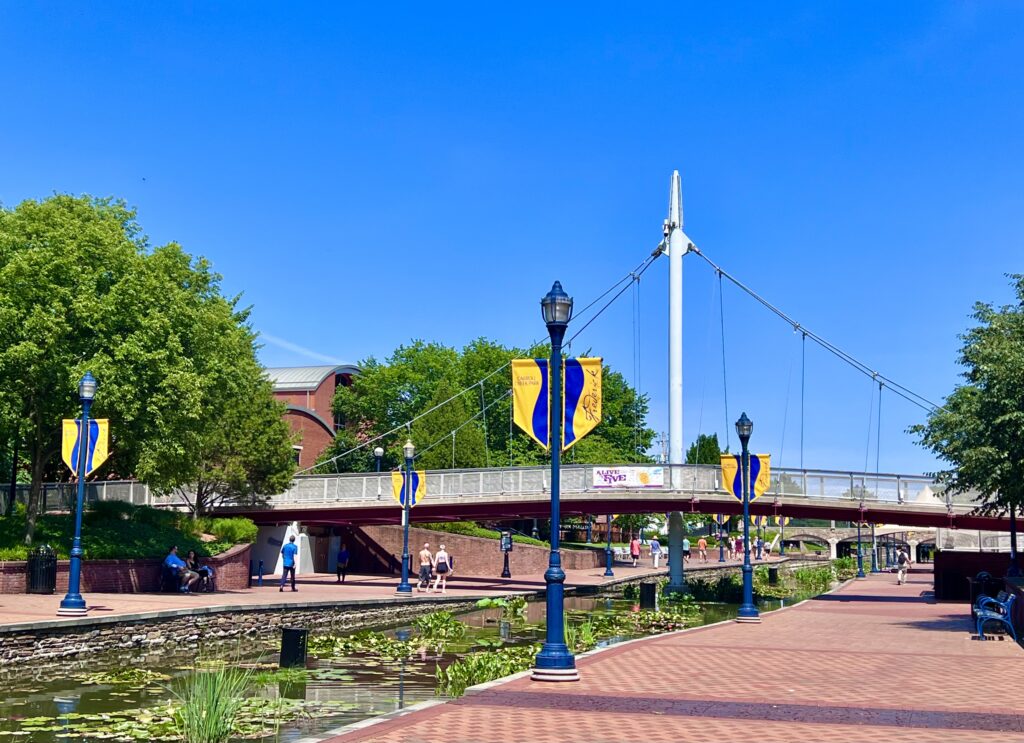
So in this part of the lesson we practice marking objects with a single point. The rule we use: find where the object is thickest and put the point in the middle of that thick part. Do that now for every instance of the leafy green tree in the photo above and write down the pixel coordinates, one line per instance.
(81, 290)
(455, 438)
(705, 450)
(388, 395)
(979, 431)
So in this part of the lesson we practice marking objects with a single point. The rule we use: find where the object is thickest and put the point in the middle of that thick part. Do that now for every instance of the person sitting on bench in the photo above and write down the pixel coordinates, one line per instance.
(175, 564)
(204, 572)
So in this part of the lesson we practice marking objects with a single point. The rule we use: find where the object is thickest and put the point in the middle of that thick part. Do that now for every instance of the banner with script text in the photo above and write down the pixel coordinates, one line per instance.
(531, 398)
(97, 447)
(760, 475)
(628, 477)
(582, 411)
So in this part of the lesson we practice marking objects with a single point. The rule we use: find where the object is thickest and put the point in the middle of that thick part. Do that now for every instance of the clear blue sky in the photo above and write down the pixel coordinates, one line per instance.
(368, 176)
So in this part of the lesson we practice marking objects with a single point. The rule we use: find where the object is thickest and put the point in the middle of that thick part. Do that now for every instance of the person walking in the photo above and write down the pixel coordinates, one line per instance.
(342, 562)
(655, 551)
(738, 549)
(443, 567)
(902, 566)
(686, 549)
(634, 550)
(288, 554)
(426, 566)
(702, 549)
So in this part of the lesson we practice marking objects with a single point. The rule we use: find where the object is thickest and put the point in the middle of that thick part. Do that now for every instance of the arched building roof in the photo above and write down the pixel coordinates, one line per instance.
(305, 378)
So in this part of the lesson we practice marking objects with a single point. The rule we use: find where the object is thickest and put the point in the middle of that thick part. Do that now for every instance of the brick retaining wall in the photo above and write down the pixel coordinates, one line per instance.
(479, 555)
(169, 634)
(130, 576)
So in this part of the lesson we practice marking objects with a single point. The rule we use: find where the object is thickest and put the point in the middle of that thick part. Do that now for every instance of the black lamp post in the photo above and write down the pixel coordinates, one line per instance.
(721, 537)
(73, 604)
(608, 552)
(405, 588)
(874, 551)
(378, 454)
(860, 552)
(748, 611)
(555, 662)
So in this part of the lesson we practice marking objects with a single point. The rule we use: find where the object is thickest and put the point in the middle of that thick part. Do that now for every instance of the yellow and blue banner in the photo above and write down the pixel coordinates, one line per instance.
(531, 398)
(582, 399)
(782, 520)
(419, 487)
(97, 447)
(721, 518)
(759, 521)
(760, 475)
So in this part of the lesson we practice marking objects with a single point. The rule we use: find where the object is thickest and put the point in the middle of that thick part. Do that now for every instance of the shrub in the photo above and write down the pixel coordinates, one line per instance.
(472, 529)
(234, 530)
(109, 510)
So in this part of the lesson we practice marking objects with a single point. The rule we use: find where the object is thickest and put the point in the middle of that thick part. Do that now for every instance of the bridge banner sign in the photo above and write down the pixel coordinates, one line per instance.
(419, 487)
(631, 478)
(96, 447)
(581, 403)
(760, 475)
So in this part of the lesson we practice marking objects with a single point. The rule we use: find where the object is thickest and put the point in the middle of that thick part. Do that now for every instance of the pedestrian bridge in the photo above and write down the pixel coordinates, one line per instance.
(524, 492)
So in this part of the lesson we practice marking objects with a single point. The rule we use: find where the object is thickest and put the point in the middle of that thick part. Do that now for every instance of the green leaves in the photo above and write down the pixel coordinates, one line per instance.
(81, 289)
(415, 378)
(980, 429)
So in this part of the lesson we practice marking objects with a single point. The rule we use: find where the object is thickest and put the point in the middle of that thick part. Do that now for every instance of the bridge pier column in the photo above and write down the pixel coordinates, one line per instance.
(912, 543)
(833, 552)
(676, 579)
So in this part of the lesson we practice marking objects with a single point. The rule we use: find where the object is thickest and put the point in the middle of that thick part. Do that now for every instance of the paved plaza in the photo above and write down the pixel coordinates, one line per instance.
(872, 662)
(316, 589)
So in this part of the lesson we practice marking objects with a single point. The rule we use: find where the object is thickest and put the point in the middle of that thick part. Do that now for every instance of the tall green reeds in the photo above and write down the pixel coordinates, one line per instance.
(210, 702)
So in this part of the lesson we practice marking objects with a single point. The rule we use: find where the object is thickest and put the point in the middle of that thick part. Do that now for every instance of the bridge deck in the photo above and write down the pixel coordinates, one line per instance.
(873, 662)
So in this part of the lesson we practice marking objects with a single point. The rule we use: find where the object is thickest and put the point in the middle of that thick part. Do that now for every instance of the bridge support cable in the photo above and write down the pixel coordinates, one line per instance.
(483, 410)
(420, 452)
(871, 419)
(900, 390)
(878, 437)
(785, 420)
(631, 276)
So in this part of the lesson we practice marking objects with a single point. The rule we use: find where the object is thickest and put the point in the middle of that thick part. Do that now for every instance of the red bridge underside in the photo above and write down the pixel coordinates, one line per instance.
(389, 512)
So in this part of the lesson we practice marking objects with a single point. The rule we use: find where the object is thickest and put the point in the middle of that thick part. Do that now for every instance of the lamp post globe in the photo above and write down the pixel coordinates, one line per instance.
(404, 587)
(748, 611)
(73, 604)
(555, 661)
(378, 454)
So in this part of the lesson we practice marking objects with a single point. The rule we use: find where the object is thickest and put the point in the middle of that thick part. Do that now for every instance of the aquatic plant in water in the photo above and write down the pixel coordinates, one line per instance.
(478, 668)
(209, 703)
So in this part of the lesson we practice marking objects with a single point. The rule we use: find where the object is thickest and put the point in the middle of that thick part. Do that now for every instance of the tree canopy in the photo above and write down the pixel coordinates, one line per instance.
(979, 430)
(415, 378)
(705, 450)
(82, 290)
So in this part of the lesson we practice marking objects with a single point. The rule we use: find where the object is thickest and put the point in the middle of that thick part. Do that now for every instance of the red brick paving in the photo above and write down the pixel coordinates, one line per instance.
(871, 662)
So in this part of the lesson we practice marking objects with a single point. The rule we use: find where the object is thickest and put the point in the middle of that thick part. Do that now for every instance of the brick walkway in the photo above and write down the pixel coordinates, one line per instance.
(314, 589)
(872, 662)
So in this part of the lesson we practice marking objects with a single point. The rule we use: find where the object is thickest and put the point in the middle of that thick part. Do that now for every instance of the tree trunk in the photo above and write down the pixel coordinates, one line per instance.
(13, 493)
(32, 512)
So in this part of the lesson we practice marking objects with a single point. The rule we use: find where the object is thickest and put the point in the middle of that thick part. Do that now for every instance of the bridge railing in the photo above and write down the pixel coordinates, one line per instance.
(698, 480)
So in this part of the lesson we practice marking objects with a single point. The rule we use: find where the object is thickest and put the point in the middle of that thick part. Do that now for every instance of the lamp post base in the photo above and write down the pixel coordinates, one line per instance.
(555, 674)
(404, 591)
(73, 612)
(749, 620)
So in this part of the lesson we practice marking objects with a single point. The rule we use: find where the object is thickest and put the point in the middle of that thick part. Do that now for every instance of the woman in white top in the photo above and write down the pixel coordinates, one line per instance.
(442, 566)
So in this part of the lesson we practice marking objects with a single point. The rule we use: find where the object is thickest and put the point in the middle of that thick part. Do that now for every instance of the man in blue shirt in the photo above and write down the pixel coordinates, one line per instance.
(176, 565)
(288, 554)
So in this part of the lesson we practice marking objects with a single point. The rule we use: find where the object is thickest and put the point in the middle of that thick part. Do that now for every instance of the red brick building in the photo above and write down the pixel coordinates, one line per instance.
(308, 392)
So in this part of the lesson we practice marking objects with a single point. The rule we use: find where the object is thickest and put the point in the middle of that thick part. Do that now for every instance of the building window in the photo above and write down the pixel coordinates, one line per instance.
(297, 453)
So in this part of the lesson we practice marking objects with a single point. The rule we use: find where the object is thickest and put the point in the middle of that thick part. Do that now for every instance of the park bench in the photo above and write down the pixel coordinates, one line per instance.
(621, 555)
(997, 609)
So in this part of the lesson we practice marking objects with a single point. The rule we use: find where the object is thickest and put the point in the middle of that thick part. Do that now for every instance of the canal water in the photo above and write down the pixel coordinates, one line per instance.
(124, 697)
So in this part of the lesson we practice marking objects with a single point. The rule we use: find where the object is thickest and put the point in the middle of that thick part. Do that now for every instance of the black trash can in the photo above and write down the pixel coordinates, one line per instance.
(648, 595)
(773, 576)
(293, 647)
(42, 570)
